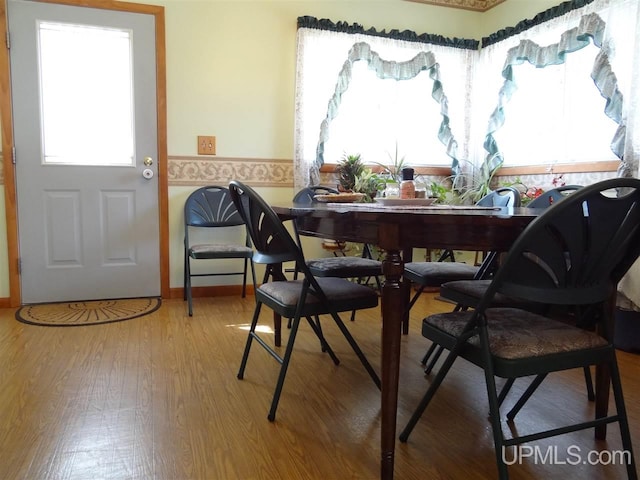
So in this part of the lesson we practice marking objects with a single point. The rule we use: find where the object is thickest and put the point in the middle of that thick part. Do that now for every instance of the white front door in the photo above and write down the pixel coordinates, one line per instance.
(85, 132)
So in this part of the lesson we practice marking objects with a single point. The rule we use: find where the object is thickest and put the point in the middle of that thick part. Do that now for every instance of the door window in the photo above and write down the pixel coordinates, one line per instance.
(86, 93)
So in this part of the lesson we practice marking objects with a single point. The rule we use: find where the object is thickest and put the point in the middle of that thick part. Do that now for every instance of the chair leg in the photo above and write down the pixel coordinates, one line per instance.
(431, 391)
(433, 348)
(244, 278)
(285, 359)
(621, 410)
(536, 383)
(434, 359)
(188, 289)
(253, 276)
(494, 406)
(447, 254)
(405, 314)
(505, 390)
(526, 396)
(184, 276)
(277, 329)
(496, 426)
(430, 351)
(356, 349)
(315, 325)
(247, 348)
(588, 380)
(283, 369)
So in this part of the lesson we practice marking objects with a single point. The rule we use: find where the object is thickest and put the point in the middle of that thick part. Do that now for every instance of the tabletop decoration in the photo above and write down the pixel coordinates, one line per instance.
(348, 169)
(340, 197)
(405, 201)
(368, 183)
(409, 206)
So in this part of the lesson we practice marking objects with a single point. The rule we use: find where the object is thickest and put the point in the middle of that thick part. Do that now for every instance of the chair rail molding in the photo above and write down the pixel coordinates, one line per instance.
(196, 170)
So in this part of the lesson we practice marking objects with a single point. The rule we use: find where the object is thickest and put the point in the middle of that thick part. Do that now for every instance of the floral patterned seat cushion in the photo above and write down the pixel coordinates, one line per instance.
(345, 267)
(202, 251)
(344, 295)
(436, 273)
(516, 334)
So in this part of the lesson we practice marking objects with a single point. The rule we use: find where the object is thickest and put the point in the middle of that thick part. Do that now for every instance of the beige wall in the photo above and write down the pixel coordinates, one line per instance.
(231, 72)
(231, 64)
(509, 13)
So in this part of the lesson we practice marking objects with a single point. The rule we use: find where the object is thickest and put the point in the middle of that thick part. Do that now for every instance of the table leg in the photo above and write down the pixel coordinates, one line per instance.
(392, 308)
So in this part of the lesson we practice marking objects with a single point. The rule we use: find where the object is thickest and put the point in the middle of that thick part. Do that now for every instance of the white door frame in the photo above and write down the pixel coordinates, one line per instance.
(7, 140)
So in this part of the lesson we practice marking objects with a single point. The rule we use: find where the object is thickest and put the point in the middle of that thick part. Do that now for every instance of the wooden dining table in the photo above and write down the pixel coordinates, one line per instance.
(397, 230)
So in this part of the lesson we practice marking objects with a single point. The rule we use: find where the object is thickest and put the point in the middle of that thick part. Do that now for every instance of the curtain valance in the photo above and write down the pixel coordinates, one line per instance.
(540, 18)
(406, 35)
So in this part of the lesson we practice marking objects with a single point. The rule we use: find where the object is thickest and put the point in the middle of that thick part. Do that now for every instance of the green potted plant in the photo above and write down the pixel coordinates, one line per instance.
(349, 168)
(465, 189)
(368, 183)
(394, 170)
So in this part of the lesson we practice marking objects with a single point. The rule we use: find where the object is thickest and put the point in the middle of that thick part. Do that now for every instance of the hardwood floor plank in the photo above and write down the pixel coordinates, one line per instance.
(157, 397)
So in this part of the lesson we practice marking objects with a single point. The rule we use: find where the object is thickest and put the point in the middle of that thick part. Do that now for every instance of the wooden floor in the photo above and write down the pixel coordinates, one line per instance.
(157, 398)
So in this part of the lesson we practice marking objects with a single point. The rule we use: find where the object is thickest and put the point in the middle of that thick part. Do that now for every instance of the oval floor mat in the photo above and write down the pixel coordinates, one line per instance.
(93, 312)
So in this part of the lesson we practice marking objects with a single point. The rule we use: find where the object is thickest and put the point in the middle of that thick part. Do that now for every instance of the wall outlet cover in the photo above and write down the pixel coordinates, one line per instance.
(206, 145)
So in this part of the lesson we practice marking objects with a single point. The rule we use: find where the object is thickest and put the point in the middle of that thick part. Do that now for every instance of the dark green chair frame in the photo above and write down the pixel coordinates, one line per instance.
(307, 297)
(210, 208)
(574, 254)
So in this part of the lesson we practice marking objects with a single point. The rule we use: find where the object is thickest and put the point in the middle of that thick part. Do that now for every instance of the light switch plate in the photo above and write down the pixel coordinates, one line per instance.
(206, 145)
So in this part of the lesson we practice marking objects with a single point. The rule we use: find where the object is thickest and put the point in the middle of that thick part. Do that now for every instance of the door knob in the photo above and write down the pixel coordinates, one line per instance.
(148, 161)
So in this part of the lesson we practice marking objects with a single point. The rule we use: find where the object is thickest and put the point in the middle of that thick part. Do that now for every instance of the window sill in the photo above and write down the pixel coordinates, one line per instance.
(443, 171)
(436, 171)
(609, 166)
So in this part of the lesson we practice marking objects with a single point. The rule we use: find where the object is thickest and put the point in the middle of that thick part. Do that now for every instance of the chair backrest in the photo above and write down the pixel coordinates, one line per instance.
(306, 196)
(211, 206)
(552, 196)
(272, 241)
(501, 197)
(576, 252)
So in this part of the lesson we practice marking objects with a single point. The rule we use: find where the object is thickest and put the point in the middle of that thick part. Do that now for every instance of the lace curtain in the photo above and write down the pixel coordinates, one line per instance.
(320, 87)
(481, 77)
(610, 25)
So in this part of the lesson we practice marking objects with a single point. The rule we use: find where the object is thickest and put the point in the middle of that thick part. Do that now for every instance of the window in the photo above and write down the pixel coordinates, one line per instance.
(566, 91)
(378, 97)
(558, 90)
(78, 63)
(376, 115)
(556, 115)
